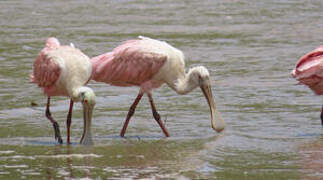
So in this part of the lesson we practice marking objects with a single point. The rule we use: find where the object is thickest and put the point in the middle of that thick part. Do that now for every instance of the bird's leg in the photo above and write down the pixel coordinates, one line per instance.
(322, 115)
(69, 121)
(55, 124)
(156, 115)
(130, 113)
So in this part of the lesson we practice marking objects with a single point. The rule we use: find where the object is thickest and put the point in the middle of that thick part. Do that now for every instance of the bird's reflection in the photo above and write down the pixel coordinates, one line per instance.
(66, 155)
(311, 158)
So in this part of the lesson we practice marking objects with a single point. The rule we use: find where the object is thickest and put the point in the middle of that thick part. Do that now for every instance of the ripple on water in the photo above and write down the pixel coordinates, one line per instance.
(249, 47)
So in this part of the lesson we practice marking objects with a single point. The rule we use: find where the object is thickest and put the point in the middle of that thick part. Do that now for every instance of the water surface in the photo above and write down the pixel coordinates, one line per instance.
(273, 128)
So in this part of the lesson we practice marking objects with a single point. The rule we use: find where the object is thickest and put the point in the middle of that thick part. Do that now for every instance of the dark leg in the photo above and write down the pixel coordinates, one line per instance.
(55, 124)
(130, 113)
(69, 121)
(157, 116)
(322, 115)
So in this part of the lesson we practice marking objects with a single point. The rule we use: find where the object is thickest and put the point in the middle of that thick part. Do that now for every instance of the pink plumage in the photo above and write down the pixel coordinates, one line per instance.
(46, 71)
(130, 64)
(309, 70)
(52, 43)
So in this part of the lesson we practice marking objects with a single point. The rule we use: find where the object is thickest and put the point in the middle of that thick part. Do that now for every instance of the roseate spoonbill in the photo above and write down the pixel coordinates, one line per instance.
(309, 71)
(63, 71)
(149, 63)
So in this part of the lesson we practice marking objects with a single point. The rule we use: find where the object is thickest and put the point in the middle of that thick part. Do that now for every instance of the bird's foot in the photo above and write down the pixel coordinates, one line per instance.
(57, 133)
(122, 134)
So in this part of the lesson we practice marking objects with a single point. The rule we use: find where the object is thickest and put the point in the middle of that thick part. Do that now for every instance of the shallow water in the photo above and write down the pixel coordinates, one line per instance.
(273, 128)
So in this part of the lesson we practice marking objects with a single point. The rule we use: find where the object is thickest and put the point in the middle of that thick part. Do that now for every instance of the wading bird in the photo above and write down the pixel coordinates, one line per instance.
(149, 63)
(309, 71)
(63, 71)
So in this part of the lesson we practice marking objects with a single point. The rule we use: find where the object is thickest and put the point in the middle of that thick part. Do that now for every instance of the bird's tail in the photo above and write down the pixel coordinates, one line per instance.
(99, 63)
(52, 43)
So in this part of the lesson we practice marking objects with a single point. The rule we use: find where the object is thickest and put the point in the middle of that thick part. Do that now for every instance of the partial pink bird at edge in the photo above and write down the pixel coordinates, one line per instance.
(309, 70)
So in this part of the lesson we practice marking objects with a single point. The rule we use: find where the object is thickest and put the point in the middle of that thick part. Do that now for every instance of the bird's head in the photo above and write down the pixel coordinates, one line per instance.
(87, 98)
(201, 77)
(85, 95)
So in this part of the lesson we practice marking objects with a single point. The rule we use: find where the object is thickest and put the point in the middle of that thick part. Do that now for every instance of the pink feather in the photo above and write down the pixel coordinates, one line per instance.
(46, 71)
(309, 70)
(130, 64)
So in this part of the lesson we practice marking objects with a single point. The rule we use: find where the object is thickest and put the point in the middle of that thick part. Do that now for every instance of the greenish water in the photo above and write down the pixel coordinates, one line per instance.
(273, 127)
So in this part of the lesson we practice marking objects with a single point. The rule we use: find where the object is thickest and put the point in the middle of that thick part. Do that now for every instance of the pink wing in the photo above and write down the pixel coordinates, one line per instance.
(127, 65)
(309, 70)
(46, 70)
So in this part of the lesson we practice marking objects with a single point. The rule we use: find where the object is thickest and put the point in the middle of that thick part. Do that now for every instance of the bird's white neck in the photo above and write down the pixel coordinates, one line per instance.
(187, 83)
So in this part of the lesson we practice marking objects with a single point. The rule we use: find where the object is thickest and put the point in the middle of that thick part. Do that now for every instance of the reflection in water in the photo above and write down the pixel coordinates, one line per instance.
(132, 158)
(67, 168)
(69, 162)
(311, 158)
